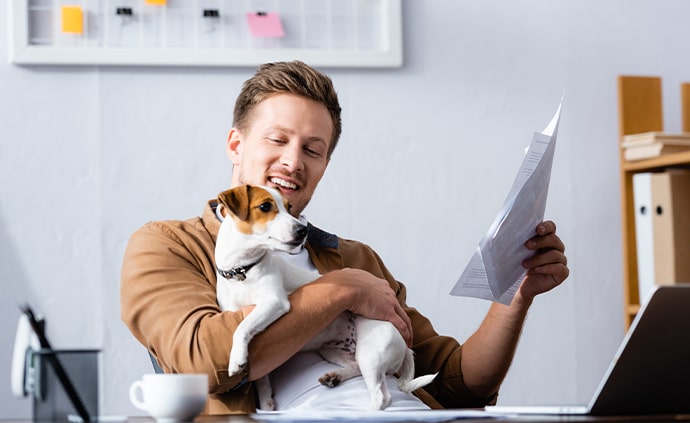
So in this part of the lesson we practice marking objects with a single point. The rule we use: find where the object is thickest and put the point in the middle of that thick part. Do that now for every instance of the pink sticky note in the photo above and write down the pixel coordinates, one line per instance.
(266, 25)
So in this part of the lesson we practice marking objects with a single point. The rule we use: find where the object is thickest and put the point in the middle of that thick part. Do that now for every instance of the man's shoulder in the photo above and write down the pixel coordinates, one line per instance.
(199, 227)
(172, 226)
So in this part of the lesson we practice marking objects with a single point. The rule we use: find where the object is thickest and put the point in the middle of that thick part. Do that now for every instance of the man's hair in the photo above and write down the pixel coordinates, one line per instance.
(288, 78)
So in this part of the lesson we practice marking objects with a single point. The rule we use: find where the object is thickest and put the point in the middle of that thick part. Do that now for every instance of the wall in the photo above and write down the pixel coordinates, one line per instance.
(429, 151)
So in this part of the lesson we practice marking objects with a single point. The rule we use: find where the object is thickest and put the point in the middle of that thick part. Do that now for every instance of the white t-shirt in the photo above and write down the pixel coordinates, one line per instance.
(296, 386)
(296, 383)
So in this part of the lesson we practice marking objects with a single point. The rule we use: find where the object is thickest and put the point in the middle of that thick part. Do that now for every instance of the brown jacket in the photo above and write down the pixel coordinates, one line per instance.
(168, 301)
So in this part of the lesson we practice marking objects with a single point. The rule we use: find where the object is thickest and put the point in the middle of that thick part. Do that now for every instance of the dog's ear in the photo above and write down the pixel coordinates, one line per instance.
(237, 201)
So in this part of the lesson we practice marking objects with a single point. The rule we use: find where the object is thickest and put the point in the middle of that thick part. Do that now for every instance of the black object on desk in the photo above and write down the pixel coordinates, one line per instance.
(56, 365)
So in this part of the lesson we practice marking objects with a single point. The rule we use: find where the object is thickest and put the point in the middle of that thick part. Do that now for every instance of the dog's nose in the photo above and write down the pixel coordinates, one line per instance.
(301, 231)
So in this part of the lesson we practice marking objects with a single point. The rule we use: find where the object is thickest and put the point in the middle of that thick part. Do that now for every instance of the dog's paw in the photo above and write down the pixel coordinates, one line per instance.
(269, 405)
(380, 400)
(239, 357)
(236, 368)
(330, 379)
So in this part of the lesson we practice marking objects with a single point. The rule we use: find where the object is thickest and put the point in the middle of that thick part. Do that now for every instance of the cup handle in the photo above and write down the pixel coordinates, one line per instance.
(135, 391)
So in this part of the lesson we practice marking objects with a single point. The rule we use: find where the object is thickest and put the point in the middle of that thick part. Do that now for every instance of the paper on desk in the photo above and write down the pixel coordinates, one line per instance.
(495, 270)
(311, 415)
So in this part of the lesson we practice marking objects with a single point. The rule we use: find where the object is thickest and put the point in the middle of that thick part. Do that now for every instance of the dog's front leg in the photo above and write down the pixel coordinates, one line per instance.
(263, 315)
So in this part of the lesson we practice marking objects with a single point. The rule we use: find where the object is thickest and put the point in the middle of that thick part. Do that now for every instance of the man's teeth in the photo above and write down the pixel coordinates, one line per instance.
(283, 183)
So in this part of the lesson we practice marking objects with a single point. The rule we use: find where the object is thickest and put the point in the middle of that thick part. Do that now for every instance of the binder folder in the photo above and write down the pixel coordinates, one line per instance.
(644, 233)
(671, 226)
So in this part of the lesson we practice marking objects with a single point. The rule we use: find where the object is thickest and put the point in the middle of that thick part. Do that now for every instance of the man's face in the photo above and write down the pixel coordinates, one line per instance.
(285, 147)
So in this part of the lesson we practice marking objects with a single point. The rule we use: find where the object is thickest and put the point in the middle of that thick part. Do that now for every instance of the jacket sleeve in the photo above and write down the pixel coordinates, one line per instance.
(168, 301)
(442, 354)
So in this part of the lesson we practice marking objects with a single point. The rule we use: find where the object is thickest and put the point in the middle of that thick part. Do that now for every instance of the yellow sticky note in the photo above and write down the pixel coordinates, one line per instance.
(157, 2)
(72, 19)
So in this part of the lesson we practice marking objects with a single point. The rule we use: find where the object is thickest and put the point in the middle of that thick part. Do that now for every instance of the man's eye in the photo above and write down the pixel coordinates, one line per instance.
(314, 153)
(266, 207)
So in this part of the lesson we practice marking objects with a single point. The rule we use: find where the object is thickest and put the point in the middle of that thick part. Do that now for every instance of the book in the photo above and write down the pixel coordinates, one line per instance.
(645, 151)
(646, 138)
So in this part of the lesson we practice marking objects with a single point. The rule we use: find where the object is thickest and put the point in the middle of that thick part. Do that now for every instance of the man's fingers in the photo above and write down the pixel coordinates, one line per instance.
(550, 241)
(544, 258)
(546, 227)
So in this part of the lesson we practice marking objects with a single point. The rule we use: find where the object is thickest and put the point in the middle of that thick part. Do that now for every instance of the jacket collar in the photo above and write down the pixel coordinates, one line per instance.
(320, 238)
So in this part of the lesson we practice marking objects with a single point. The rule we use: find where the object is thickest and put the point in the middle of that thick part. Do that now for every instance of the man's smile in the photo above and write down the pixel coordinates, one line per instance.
(282, 183)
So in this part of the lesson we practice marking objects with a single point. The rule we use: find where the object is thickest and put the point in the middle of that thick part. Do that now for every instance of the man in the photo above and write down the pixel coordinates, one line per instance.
(286, 126)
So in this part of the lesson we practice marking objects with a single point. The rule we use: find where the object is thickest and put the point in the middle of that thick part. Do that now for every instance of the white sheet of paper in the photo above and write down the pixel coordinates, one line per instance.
(495, 270)
(298, 415)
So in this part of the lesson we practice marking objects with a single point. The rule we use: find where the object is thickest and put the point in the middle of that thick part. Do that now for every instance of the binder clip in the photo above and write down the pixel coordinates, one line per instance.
(212, 17)
(126, 14)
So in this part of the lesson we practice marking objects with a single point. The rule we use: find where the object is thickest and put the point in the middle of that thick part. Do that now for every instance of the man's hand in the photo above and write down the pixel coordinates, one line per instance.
(487, 354)
(548, 267)
(373, 298)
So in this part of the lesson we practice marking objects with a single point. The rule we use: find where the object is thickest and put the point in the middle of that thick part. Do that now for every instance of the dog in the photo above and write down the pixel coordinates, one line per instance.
(257, 222)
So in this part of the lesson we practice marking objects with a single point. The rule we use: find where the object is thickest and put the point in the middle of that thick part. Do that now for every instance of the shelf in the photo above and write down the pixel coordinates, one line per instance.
(657, 163)
(640, 110)
(632, 309)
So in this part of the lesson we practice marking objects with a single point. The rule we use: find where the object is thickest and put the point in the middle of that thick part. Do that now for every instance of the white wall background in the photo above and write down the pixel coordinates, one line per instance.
(89, 154)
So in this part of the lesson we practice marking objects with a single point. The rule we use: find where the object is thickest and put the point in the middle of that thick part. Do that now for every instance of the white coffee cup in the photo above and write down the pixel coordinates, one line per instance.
(170, 397)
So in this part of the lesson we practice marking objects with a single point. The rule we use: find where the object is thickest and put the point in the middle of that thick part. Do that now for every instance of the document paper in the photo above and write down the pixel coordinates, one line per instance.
(379, 416)
(495, 270)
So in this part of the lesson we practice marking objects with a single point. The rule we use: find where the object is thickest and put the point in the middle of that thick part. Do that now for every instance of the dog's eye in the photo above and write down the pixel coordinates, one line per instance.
(266, 207)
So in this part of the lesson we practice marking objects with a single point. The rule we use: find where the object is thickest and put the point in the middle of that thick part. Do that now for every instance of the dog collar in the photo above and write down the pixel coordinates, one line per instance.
(239, 273)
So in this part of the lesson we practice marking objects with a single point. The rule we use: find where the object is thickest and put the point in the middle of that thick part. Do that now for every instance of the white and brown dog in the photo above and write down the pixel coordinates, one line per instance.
(256, 223)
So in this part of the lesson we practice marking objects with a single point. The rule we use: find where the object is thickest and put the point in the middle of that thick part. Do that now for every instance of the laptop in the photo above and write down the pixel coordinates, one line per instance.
(650, 373)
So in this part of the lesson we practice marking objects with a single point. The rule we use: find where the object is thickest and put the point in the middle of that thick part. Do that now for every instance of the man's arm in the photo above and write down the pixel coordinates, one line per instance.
(169, 304)
(316, 305)
(487, 354)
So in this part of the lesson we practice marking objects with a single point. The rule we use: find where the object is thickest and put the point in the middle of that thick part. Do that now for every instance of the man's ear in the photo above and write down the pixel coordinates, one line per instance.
(233, 146)
(237, 201)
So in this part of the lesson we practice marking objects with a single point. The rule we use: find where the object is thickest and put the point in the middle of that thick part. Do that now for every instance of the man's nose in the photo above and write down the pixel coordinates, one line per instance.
(292, 157)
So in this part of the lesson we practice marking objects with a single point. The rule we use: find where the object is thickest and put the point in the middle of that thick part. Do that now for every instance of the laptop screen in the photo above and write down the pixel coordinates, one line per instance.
(650, 373)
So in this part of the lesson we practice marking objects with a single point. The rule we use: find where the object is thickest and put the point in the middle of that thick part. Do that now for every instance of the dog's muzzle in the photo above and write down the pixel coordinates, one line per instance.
(300, 232)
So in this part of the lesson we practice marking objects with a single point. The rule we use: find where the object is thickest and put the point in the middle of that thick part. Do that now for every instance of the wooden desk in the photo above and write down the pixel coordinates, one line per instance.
(506, 419)
(238, 418)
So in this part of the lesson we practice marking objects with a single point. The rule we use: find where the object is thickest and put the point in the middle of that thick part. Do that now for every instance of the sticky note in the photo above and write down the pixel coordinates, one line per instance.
(156, 2)
(267, 25)
(72, 19)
